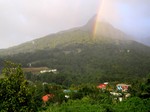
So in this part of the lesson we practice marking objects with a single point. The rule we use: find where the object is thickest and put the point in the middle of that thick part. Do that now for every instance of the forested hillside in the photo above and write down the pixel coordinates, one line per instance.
(83, 34)
(95, 60)
(79, 56)
(67, 68)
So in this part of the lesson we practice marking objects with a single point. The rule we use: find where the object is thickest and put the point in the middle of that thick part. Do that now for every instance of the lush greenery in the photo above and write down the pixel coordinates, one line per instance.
(90, 99)
(15, 94)
(82, 61)
(79, 56)
(86, 104)
(19, 95)
(98, 61)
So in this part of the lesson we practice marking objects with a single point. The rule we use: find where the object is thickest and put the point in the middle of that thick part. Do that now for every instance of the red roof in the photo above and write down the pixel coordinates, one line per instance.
(45, 98)
(102, 86)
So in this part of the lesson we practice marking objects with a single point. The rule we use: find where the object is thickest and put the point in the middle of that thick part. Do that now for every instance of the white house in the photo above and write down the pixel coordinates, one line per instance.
(48, 71)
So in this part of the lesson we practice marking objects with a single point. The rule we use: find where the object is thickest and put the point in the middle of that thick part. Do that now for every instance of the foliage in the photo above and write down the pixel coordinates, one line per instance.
(15, 93)
(87, 104)
(134, 104)
(83, 105)
(19, 95)
(98, 61)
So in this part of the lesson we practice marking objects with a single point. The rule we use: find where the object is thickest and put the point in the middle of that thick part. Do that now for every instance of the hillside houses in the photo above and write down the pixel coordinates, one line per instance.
(119, 92)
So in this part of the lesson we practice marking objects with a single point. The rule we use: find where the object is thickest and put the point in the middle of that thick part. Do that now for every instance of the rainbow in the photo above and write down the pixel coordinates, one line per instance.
(97, 18)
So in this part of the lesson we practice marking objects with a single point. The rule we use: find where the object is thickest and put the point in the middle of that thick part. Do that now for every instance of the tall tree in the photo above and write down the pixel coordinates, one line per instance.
(15, 93)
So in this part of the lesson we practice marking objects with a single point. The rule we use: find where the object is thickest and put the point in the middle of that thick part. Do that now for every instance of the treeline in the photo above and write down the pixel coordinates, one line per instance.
(76, 79)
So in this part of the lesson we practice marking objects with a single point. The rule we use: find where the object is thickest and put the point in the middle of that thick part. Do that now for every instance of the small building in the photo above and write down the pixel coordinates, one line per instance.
(122, 87)
(48, 71)
(120, 99)
(102, 86)
(116, 94)
(68, 91)
(47, 97)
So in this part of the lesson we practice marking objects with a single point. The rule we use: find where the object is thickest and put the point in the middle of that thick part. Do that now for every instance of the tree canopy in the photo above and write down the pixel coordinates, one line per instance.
(15, 92)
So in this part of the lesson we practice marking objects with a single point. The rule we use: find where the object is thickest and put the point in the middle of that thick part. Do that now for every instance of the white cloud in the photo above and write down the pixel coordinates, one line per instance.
(23, 20)
(132, 16)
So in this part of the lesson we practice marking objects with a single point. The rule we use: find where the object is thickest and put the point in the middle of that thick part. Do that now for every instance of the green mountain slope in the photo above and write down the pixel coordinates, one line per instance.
(75, 53)
(76, 35)
(50, 41)
(93, 60)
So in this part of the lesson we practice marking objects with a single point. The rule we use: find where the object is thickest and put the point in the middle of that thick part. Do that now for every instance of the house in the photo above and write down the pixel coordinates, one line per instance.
(122, 87)
(47, 97)
(48, 71)
(67, 96)
(115, 94)
(120, 99)
(68, 91)
(102, 86)
(127, 95)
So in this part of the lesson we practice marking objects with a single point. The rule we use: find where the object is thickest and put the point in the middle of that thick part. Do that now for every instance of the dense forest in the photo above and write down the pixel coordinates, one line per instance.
(98, 61)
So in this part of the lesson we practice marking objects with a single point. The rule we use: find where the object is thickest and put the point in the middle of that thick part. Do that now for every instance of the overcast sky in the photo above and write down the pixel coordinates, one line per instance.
(24, 20)
(132, 16)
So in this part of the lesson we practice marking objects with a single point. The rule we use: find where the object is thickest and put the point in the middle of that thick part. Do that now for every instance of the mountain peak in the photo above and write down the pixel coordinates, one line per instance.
(72, 36)
(104, 29)
(89, 26)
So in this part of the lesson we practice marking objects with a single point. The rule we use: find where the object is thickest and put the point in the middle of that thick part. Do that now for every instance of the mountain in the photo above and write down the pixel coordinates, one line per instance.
(84, 57)
(93, 62)
(76, 35)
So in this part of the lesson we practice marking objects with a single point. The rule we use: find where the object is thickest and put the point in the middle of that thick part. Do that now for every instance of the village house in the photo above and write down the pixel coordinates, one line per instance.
(103, 85)
(123, 87)
(46, 98)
